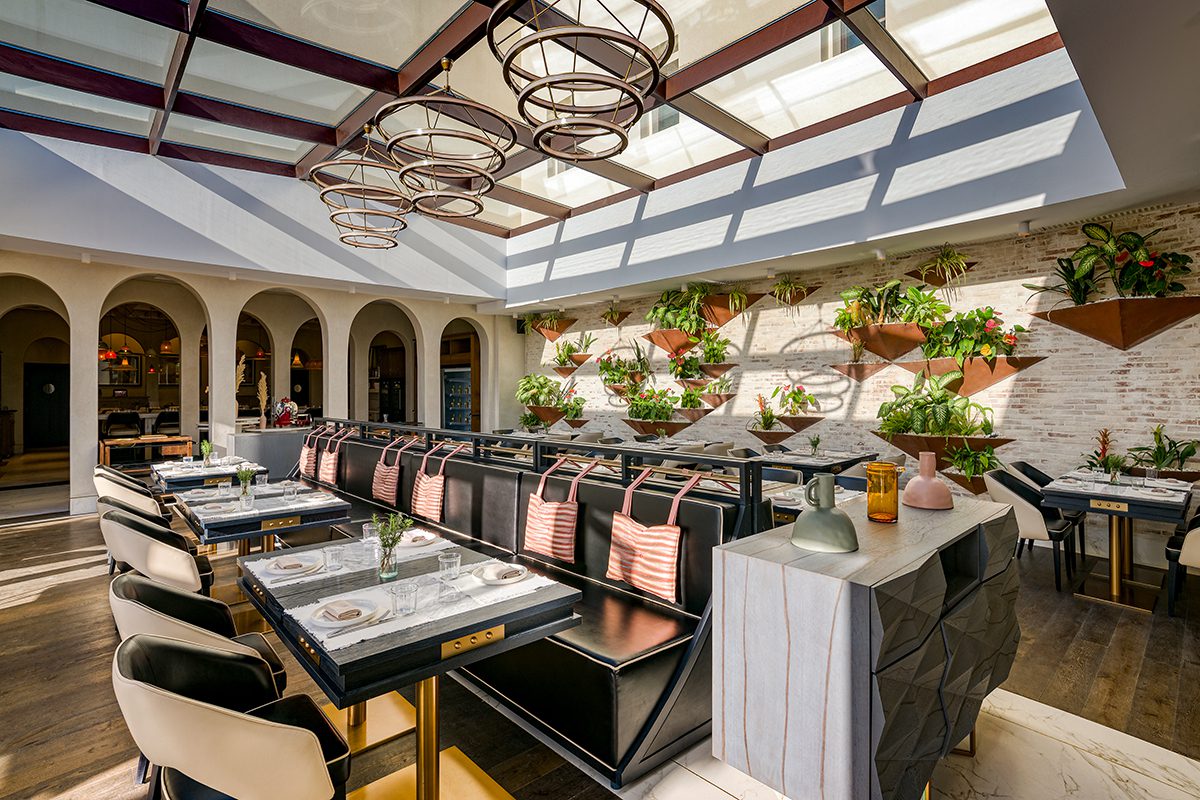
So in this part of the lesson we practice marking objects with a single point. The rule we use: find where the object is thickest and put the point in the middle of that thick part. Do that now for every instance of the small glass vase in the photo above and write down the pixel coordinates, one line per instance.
(389, 564)
(245, 488)
(207, 460)
(1115, 477)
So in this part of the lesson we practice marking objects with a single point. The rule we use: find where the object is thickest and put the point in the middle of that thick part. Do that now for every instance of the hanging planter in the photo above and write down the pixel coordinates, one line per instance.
(637, 377)
(1124, 322)
(655, 427)
(576, 423)
(1188, 475)
(552, 329)
(693, 383)
(788, 295)
(861, 370)
(974, 485)
(619, 389)
(771, 436)
(717, 400)
(565, 372)
(614, 318)
(978, 373)
(939, 277)
(579, 359)
(889, 341)
(547, 414)
(716, 370)
(715, 308)
(913, 444)
(671, 340)
(800, 423)
(693, 414)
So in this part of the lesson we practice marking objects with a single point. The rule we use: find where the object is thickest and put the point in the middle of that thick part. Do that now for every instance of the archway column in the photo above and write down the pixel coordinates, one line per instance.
(222, 363)
(281, 360)
(335, 391)
(361, 377)
(189, 380)
(85, 401)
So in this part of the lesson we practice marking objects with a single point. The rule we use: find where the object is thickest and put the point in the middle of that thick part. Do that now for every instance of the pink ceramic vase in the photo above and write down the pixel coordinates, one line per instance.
(926, 490)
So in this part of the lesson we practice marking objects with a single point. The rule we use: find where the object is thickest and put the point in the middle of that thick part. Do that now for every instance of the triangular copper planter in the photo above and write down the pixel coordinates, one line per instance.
(715, 308)
(619, 389)
(716, 370)
(914, 444)
(671, 340)
(579, 359)
(861, 371)
(693, 414)
(978, 373)
(974, 485)
(937, 279)
(1124, 322)
(771, 437)
(798, 424)
(576, 423)
(637, 377)
(547, 414)
(693, 383)
(621, 317)
(565, 372)
(888, 341)
(651, 427)
(797, 300)
(717, 400)
(556, 329)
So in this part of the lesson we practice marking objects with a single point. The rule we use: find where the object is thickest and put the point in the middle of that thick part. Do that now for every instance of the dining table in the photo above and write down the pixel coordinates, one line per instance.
(835, 461)
(173, 476)
(409, 630)
(1129, 499)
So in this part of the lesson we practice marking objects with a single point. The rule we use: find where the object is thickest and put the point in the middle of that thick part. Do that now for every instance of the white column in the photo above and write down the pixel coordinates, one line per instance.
(412, 381)
(335, 395)
(85, 402)
(190, 381)
(360, 364)
(222, 359)
(281, 362)
(431, 382)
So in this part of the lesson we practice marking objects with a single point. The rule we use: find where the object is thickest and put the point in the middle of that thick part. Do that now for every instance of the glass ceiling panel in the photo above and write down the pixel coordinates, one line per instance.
(811, 80)
(239, 77)
(562, 183)
(46, 100)
(944, 36)
(90, 34)
(183, 129)
(387, 32)
(507, 215)
(665, 141)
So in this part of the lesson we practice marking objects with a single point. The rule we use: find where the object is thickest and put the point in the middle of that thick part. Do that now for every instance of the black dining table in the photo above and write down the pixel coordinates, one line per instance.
(358, 675)
(216, 518)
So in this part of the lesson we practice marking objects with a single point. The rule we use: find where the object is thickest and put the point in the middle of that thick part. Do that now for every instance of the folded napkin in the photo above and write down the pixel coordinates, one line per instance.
(341, 610)
(285, 563)
(505, 572)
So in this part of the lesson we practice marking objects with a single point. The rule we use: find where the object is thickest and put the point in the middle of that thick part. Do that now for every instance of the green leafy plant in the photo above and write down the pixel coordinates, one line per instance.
(649, 404)
(863, 306)
(924, 308)
(571, 403)
(1104, 458)
(531, 422)
(788, 290)
(538, 390)
(765, 419)
(640, 361)
(541, 319)
(206, 449)
(947, 264)
(612, 314)
(585, 342)
(1075, 284)
(614, 370)
(563, 350)
(245, 475)
(391, 529)
(714, 347)
(973, 463)
(690, 398)
(738, 299)
(1134, 269)
(979, 333)
(794, 400)
(721, 385)
(684, 367)
(814, 444)
(680, 309)
(1165, 453)
(929, 408)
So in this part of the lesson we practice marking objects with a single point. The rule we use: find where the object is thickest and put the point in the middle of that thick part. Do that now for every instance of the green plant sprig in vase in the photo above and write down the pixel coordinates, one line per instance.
(391, 531)
(245, 476)
(206, 451)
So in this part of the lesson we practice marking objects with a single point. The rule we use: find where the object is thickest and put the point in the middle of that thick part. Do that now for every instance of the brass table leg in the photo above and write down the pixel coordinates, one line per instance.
(374, 722)
(243, 547)
(1116, 541)
(356, 715)
(427, 739)
(928, 793)
(1127, 547)
(268, 543)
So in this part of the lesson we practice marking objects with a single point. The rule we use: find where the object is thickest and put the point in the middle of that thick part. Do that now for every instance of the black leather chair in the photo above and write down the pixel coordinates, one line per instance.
(1078, 519)
(123, 424)
(157, 552)
(1034, 521)
(140, 605)
(167, 423)
(193, 710)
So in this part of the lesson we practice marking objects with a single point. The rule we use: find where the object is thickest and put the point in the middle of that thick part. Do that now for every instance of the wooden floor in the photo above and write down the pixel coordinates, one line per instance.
(61, 733)
(1129, 670)
(36, 468)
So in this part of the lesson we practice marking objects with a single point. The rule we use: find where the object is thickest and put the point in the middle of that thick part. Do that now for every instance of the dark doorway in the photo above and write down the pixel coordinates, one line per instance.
(300, 394)
(387, 368)
(47, 405)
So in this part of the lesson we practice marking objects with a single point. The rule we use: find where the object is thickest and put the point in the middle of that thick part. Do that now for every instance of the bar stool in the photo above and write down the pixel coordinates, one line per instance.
(1033, 520)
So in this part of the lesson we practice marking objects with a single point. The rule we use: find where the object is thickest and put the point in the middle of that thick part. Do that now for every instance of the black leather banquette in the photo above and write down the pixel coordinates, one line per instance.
(631, 685)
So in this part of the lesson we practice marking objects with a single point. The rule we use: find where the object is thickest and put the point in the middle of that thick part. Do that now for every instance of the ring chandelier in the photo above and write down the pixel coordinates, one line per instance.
(365, 195)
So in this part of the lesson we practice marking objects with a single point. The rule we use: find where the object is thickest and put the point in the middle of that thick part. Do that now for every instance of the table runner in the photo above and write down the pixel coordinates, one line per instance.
(476, 594)
(303, 503)
(194, 497)
(258, 567)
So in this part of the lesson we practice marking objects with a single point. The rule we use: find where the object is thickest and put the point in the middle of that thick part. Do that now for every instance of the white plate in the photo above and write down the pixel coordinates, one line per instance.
(370, 610)
(488, 574)
(308, 563)
(1070, 482)
(419, 539)
(1157, 492)
(221, 508)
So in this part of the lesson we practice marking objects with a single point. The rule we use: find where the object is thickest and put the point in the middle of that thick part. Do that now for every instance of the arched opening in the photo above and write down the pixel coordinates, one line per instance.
(307, 368)
(461, 357)
(253, 344)
(138, 363)
(383, 364)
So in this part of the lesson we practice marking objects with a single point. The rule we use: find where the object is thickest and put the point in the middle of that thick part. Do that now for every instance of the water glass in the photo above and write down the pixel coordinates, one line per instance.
(333, 557)
(225, 487)
(370, 531)
(261, 479)
(247, 502)
(1151, 475)
(289, 492)
(404, 598)
(187, 462)
(448, 592)
(449, 565)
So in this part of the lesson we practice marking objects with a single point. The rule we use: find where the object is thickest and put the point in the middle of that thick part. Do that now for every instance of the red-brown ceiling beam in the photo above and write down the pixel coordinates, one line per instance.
(28, 123)
(222, 159)
(864, 25)
(721, 121)
(195, 105)
(168, 14)
(1018, 55)
(81, 78)
(179, 57)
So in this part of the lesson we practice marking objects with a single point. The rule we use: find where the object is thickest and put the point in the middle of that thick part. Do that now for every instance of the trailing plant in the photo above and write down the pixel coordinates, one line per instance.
(571, 403)
(788, 290)
(721, 385)
(946, 264)
(738, 299)
(1165, 453)
(924, 308)
(531, 422)
(1075, 284)
(680, 309)
(765, 419)
(538, 390)
(391, 529)
(612, 314)
(1104, 458)
(979, 333)
(563, 350)
(690, 398)
(793, 399)
(584, 345)
(657, 406)
(684, 367)
(614, 370)
(929, 408)
(640, 362)
(1134, 269)
(540, 319)
(973, 463)
(714, 347)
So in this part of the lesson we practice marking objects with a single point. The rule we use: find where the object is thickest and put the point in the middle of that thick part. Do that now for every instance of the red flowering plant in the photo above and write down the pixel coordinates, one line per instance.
(1103, 458)
(765, 419)
(613, 368)
(570, 403)
(1134, 269)
(794, 400)
(649, 404)
(684, 367)
(979, 333)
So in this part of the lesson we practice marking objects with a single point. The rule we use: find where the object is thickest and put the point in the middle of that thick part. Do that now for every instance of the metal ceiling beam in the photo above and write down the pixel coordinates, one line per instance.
(169, 15)
(222, 159)
(29, 123)
(864, 25)
(724, 123)
(179, 57)
(81, 78)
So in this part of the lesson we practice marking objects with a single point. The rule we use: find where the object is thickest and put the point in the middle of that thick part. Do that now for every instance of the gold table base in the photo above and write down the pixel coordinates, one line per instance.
(1126, 584)
(375, 722)
(461, 779)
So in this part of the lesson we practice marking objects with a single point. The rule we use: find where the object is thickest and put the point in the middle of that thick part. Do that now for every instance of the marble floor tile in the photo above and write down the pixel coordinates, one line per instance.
(700, 760)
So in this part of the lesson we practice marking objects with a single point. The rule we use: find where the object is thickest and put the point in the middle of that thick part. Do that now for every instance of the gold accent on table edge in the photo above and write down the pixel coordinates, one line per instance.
(471, 641)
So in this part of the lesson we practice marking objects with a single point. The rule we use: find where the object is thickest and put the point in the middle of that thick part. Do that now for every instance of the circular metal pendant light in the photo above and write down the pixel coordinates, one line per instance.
(447, 149)
(581, 110)
(365, 195)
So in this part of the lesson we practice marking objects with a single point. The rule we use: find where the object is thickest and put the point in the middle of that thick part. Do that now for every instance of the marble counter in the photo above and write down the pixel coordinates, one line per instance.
(847, 676)
(277, 449)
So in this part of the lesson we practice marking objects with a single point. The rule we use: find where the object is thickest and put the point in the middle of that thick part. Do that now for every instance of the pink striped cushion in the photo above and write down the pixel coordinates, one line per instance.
(427, 496)
(308, 461)
(550, 528)
(385, 482)
(644, 557)
(327, 473)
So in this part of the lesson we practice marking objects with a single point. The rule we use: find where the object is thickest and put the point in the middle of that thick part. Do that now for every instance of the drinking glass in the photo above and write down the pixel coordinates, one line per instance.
(261, 479)
(290, 492)
(404, 598)
(1151, 475)
(449, 565)
(187, 462)
(370, 531)
(225, 487)
(448, 592)
(333, 557)
(247, 502)
(883, 491)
